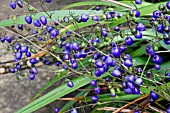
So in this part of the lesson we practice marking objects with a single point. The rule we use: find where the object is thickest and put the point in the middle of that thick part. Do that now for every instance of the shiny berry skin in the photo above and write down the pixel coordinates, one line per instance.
(137, 13)
(116, 73)
(128, 40)
(167, 76)
(37, 23)
(168, 110)
(115, 52)
(157, 66)
(49, 28)
(140, 27)
(128, 91)
(54, 33)
(104, 33)
(28, 19)
(96, 56)
(117, 28)
(99, 64)
(101, 70)
(2, 39)
(110, 62)
(24, 49)
(93, 83)
(20, 26)
(18, 55)
(13, 5)
(136, 91)
(97, 90)
(97, 73)
(108, 16)
(74, 110)
(139, 70)
(56, 110)
(9, 39)
(28, 54)
(70, 84)
(48, 1)
(43, 20)
(168, 5)
(157, 14)
(128, 63)
(167, 42)
(148, 74)
(94, 99)
(97, 8)
(157, 59)
(131, 85)
(95, 18)
(124, 85)
(12, 70)
(32, 76)
(84, 17)
(139, 81)
(138, 1)
(33, 61)
(18, 66)
(74, 65)
(149, 49)
(19, 3)
(33, 70)
(122, 48)
(75, 46)
(138, 35)
(153, 95)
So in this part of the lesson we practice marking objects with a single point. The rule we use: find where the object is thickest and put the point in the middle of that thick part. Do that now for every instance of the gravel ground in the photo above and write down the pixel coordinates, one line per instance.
(17, 93)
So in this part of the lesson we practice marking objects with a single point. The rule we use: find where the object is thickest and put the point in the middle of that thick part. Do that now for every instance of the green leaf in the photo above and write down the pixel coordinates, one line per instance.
(58, 14)
(139, 52)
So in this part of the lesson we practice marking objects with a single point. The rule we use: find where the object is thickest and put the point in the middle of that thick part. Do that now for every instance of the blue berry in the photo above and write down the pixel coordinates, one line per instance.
(138, 35)
(104, 33)
(28, 19)
(97, 90)
(84, 17)
(33, 61)
(70, 84)
(19, 3)
(97, 8)
(168, 5)
(140, 27)
(136, 111)
(20, 26)
(13, 5)
(150, 50)
(43, 20)
(33, 70)
(95, 18)
(128, 91)
(153, 95)
(12, 70)
(157, 66)
(93, 83)
(32, 76)
(117, 28)
(138, 1)
(18, 55)
(139, 81)
(97, 73)
(128, 63)
(128, 40)
(94, 99)
(48, 1)
(137, 13)
(157, 59)
(168, 110)
(56, 110)
(131, 85)
(99, 64)
(37, 23)
(74, 110)
(74, 65)
(116, 73)
(54, 33)
(157, 14)
(136, 91)
(115, 52)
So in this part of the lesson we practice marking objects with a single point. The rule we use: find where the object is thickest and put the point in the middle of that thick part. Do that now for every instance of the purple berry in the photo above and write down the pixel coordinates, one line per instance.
(138, 1)
(33, 70)
(33, 61)
(28, 19)
(140, 27)
(128, 91)
(136, 111)
(128, 40)
(97, 8)
(168, 5)
(157, 14)
(28, 54)
(157, 66)
(13, 5)
(128, 63)
(115, 52)
(24, 49)
(138, 35)
(157, 59)
(93, 83)
(19, 3)
(37, 23)
(56, 110)
(70, 84)
(104, 33)
(94, 99)
(99, 64)
(136, 91)
(97, 73)
(97, 90)
(84, 17)
(95, 18)
(54, 33)
(110, 62)
(43, 20)
(12, 70)
(32, 76)
(74, 65)
(117, 28)
(150, 50)
(20, 26)
(153, 95)
(137, 13)
(139, 81)
(18, 55)
(131, 85)
(48, 1)
(116, 73)
(168, 110)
